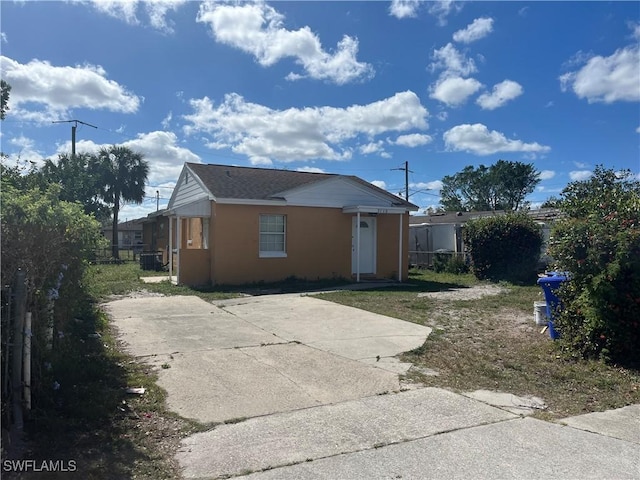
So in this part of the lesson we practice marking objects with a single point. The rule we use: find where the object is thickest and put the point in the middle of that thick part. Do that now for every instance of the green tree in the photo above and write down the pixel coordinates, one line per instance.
(5, 89)
(598, 242)
(77, 182)
(502, 186)
(121, 175)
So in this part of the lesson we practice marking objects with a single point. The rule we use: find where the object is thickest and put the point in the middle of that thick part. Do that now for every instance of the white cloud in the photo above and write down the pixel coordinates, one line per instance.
(581, 165)
(3, 38)
(547, 174)
(479, 28)
(453, 62)
(127, 11)
(372, 147)
(607, 79)
(501, 94)
(257, 28)
(23, 150)
(442, 8)
(442, 116)
(580, 175)
(479, 140)
(302, 134)
(379, 183)
(166, 121)
(638, 130)
(434, 185)
(454, 91)
(55, 90)
(412, 140)
(404, 8)
(310, 170)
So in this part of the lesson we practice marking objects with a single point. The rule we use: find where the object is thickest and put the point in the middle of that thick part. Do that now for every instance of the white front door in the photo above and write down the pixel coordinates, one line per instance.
(367, 248)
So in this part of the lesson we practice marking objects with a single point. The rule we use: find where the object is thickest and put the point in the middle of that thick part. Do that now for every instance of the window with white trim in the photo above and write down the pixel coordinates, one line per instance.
(273, 232)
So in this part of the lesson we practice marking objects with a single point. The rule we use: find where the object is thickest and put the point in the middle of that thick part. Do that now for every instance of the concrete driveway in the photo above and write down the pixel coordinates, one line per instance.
(313, 388)
(255, 356)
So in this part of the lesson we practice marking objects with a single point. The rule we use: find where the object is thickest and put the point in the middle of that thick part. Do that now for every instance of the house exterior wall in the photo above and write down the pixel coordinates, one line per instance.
(194, 267)
(318, 244)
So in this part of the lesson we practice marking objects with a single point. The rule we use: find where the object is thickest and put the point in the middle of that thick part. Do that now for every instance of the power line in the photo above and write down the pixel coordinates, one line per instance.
(73, 132)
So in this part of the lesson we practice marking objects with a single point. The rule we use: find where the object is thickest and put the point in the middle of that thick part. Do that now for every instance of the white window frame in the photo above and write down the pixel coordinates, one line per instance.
(272, 253)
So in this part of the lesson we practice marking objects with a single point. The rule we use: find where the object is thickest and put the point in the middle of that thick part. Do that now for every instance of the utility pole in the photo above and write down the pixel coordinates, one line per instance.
(73, 133)
(406, 179)
(157, 200)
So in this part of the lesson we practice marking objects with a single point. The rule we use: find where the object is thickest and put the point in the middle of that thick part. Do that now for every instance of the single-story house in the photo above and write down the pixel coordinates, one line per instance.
(129, 233)
(237, 225)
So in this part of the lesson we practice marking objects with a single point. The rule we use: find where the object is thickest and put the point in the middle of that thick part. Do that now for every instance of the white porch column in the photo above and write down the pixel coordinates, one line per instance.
(400, 250)
(170, 259)
(358, 247)
(179, 244)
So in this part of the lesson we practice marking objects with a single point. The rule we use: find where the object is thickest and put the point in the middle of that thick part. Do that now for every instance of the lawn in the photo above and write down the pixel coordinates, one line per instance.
(493, 343)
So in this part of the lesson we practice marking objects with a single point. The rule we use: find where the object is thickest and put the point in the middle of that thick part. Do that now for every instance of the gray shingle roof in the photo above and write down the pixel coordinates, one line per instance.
(226, 181)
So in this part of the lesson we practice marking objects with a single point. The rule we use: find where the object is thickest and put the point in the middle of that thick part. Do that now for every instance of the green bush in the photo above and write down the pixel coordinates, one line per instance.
(449, 262)
(49, 240)
(598, 242)
(505, 247)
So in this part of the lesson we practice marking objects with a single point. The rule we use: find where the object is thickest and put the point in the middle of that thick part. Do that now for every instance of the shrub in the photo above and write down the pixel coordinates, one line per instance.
(598, 242)
(505, 247)
(449, 262)
(49, 240)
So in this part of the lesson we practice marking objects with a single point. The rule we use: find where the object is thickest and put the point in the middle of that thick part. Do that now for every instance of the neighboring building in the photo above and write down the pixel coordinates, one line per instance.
(129, 234)
(239, 225)
(442, 232)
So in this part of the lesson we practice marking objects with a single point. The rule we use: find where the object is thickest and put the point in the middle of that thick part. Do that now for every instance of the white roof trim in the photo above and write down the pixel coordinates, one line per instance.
(195, 177)
(201, 208)
(380, 210)
(249, 201)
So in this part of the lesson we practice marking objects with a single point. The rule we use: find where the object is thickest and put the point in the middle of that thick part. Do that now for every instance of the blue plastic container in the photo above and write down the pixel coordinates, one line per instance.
(550, 284)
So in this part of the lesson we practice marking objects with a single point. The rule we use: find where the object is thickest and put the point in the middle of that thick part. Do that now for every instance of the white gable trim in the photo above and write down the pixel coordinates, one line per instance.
(370, 209)
(188, 191)
(200, 208)
(249, 201)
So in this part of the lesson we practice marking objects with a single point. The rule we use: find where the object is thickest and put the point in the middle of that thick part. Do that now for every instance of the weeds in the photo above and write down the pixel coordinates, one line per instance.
(492, 343)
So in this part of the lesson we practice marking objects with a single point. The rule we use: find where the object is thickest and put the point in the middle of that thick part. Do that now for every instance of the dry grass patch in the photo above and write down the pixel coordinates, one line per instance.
(492, 343)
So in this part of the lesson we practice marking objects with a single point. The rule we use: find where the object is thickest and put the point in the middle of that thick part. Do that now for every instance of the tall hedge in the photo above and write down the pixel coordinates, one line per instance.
(505, 247)
(598, 242)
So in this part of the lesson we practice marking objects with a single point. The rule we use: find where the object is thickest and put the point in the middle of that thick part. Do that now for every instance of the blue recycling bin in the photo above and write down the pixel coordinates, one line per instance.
(550, 284)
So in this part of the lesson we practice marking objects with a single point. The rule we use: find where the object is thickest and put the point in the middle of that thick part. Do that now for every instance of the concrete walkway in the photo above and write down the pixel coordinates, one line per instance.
(310, 390)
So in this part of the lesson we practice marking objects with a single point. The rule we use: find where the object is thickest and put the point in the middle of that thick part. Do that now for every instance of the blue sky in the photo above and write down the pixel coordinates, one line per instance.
(354, 88)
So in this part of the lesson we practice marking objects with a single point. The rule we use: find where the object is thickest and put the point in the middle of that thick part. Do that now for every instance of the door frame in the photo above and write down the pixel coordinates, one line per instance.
(356, 244)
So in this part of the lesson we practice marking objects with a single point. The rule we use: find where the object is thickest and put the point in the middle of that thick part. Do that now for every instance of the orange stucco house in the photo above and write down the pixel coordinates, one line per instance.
(237, 225)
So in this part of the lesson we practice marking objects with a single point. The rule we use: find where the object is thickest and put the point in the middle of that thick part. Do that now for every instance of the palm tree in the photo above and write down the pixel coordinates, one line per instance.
(120, 174)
